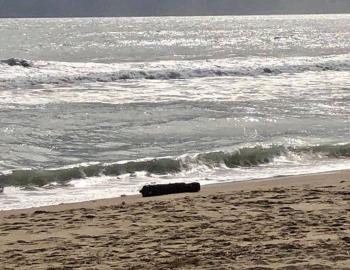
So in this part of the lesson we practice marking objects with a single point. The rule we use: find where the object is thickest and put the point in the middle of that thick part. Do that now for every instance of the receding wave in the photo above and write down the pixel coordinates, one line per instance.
(19, 72)
(244, 157)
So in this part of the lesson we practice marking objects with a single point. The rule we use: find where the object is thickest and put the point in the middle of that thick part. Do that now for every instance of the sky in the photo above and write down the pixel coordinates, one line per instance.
(111, 8)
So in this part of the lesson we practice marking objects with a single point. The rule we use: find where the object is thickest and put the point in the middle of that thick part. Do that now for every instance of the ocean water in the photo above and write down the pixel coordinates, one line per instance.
(107, 105)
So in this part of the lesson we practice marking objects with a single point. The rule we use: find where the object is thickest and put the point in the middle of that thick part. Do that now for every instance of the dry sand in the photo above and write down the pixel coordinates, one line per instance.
(300, 222)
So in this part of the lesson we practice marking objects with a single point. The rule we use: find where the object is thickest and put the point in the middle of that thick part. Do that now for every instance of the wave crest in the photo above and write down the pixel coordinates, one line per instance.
(244, 157)
(39, 72)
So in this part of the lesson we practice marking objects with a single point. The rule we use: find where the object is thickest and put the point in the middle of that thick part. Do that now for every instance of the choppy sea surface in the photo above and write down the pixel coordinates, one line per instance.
(103, 106)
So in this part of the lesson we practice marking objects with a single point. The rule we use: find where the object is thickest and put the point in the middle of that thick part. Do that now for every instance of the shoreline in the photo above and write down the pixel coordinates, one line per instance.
(279, 181)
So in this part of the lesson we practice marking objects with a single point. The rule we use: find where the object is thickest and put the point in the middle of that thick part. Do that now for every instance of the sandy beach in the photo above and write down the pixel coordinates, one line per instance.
(299, 222)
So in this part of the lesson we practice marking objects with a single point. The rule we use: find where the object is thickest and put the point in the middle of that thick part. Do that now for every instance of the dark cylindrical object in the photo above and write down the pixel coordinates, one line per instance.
(158, 190)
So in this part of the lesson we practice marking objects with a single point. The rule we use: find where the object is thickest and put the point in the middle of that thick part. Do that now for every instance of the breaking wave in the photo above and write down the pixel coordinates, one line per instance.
(18, 72)
(244, 157)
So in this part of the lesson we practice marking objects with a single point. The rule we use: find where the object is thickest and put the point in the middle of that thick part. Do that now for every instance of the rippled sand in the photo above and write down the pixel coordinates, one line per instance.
(298, 222)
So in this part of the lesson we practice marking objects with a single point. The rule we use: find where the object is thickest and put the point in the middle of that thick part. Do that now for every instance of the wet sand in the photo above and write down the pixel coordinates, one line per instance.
(300, 222)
